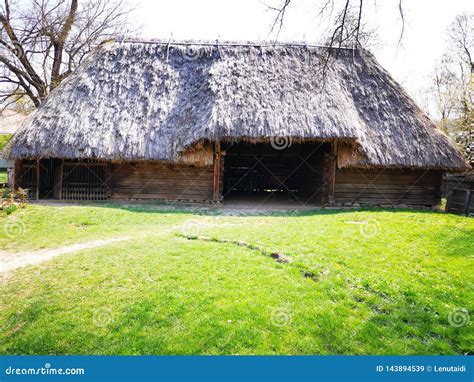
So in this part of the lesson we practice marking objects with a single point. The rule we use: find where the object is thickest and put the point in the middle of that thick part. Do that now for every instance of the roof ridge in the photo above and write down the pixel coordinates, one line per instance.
(217, 42)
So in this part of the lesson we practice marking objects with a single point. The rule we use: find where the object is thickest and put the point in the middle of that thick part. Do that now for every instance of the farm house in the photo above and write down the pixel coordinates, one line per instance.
(210, 122)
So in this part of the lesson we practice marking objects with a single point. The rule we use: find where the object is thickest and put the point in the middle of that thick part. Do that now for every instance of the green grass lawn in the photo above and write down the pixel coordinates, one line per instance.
(4, 139)
(190, 282)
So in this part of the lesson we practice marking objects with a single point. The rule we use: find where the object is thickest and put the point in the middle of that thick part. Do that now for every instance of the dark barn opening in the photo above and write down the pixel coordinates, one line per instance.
(265, 171)
(49, 178)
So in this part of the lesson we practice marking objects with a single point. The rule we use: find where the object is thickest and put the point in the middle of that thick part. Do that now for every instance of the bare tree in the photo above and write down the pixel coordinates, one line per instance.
(461, 41)
(348, 28)
(453, 84)
(352, 31)
(41, 43)
(445, 90)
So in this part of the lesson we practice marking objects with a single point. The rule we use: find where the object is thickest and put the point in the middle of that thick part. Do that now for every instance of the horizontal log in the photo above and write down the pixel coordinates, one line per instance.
(412, 202)
(162, 182)
(163, 197)
(383, 188)
(381, 179)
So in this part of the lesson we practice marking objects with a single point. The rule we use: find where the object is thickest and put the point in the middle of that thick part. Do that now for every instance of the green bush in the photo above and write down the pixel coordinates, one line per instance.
(11, 200)
(10, 208)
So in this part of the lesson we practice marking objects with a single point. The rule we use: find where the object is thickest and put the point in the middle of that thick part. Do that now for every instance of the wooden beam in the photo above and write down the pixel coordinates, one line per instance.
(108, 181)
(467, 203)
(60, 180)
(216, 190)
(37, 178)
(332, 173)
(439, 188)
(16, 175)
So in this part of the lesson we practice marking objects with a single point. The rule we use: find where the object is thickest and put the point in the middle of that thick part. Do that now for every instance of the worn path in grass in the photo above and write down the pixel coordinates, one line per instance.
(10, 261)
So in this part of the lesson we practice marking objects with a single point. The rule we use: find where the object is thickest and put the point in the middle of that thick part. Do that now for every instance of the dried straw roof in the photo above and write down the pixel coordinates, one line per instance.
(137, 100)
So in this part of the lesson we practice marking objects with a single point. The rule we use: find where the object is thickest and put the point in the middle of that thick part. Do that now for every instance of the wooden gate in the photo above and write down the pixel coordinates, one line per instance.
(459, 191)
(83, 181)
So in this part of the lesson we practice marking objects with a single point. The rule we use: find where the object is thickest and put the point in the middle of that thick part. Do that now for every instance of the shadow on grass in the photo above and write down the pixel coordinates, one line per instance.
(234, 210)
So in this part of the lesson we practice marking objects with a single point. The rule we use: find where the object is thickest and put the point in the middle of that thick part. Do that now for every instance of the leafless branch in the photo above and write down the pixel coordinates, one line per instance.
(42, 42)
(280, 17)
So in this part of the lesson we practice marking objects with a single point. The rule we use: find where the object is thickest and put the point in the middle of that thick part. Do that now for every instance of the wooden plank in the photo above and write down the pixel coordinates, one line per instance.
(37, 179)
(388, 186)
(84, 182)
(162, 181)
(16, 175)
(332, 172)
(217, 172)
(59, 180)
(467, 203)
(449, 201)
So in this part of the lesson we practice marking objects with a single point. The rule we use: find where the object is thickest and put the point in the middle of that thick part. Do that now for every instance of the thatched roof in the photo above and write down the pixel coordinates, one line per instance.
(149, 101)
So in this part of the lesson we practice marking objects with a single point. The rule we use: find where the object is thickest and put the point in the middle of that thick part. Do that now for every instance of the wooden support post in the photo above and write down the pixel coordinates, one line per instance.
(449, 202)
(37, 178)
(467, 203)
(216, 194)
(16, 175)
(108, 181)
(439, 188)
(332, 173)
(60, 180)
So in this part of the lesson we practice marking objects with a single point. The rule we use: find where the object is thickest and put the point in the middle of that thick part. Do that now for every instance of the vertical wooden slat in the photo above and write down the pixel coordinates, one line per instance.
(60, 185)
(467, 202)
(16, 175)
(449, 202)
(217, 172)
(332, 172)
(37, 178)
(84, 181)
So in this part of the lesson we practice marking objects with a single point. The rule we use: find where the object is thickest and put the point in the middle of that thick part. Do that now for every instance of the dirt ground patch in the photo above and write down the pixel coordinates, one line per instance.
(11, 261)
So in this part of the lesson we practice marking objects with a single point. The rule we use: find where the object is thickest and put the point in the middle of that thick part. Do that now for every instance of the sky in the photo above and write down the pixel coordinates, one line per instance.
(411, 62)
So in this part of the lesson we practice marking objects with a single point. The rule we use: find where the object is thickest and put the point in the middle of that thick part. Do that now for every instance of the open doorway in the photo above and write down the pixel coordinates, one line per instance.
(263, 172)
(49, 178)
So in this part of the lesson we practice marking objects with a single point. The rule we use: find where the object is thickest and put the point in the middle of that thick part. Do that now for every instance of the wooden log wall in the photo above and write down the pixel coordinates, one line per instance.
(388, 187)
(164, 181)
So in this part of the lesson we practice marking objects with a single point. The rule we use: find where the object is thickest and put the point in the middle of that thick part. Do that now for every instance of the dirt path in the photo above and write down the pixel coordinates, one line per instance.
(11, 261)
